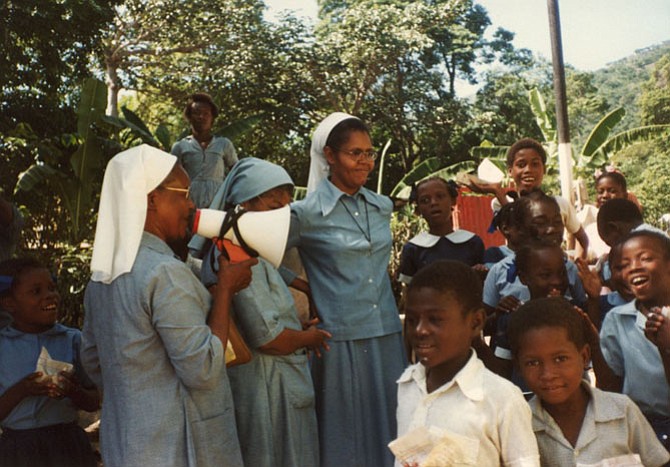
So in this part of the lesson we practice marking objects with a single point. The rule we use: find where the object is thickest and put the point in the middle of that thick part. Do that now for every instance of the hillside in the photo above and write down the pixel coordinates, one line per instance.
(621, 82)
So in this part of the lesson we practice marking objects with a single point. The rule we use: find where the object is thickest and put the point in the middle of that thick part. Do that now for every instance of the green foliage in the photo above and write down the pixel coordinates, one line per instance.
(72, 177)
(621, 83)
(655, 100)
(44, 56)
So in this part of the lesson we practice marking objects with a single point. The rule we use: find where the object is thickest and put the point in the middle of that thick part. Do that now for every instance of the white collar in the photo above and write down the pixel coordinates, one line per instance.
(427, 240)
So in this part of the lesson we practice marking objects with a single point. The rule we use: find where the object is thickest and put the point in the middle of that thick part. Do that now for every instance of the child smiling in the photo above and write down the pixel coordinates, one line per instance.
(645, 266)
(450, 389)
(574, 423)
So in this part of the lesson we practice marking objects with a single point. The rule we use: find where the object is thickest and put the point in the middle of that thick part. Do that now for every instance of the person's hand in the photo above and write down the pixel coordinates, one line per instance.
(657, 329)
(590, 278)
(591, 333)
(480, 186)
(508, 304)
(66, 387)
(35, 384)
(316, 337)
(481, 270)
(234, 276)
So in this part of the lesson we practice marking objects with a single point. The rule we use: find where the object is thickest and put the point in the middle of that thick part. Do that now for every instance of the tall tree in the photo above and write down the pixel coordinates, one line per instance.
(170, 37)
(45, 53)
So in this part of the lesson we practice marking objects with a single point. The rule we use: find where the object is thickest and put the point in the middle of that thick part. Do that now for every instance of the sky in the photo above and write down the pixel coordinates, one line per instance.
(594, 32)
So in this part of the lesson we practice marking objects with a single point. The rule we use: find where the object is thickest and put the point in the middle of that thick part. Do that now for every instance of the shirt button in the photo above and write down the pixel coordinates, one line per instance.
(374, 306)
(356, 213)
(370, 281)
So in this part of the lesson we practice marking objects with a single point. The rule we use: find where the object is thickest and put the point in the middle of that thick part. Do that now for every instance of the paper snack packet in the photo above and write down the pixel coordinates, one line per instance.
(50, 367)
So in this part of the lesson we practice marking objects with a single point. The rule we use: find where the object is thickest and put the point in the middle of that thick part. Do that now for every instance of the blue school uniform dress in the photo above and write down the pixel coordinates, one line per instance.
(496, 254)
(205, 167)
(425, 248)
(41, 430)
(273, 394)
(345, 244)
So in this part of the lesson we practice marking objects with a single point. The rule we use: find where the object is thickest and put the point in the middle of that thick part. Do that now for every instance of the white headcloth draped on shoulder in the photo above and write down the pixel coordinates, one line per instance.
(129, 177)
(318, 167)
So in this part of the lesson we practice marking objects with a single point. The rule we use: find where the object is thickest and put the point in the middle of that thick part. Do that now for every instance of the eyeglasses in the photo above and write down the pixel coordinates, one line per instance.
(181, 190)
(359, 154)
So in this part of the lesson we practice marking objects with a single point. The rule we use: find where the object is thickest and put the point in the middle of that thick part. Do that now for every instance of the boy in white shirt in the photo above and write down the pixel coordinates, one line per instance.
(484, 416)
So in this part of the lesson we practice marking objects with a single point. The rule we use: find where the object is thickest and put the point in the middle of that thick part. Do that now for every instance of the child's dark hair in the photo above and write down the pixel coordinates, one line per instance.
(521, 211)
(553, 312)
(339, 135)
(618, 210)
(452, 277)
(662, 240)
(452, 188)
(617, 177)
(525, 143)
(12, 269)
(525, 254)
(202, 98)
(503, 217)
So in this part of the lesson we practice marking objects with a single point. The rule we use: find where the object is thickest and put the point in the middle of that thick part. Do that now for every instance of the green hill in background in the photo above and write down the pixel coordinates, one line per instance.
(620, 82)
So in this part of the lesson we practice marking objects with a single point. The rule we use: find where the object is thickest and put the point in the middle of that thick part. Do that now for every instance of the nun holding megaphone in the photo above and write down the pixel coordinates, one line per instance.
(254, 200)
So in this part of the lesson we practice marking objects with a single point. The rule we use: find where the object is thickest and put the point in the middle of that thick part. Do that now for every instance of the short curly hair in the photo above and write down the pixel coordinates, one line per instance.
(525, 143)
(203, 98)
(453, 277)
(15, 267)
(549, 312)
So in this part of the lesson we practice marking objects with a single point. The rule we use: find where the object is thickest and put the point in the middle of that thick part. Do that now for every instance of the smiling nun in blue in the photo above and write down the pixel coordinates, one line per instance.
(273, 393)
(342, 232)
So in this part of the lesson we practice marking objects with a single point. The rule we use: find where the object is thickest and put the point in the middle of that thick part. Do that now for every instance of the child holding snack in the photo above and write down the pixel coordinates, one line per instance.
(38, 412)
(645, 262)
(483, 417)
(435, 199)
(574, 423)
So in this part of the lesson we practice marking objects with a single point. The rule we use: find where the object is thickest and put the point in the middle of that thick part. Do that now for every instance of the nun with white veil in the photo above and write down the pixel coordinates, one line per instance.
(153, 337)
(342, 232)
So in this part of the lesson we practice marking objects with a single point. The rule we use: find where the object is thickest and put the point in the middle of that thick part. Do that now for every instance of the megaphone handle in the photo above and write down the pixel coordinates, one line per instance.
(250, 251)
(212, 259)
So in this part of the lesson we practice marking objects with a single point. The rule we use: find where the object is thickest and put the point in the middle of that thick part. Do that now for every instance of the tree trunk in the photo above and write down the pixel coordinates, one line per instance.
(113, 87)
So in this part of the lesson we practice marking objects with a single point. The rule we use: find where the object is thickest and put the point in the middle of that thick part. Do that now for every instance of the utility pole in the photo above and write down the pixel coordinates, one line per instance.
(562, 125)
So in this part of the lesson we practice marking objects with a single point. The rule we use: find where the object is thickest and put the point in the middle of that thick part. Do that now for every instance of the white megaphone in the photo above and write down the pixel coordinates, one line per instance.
(264, 231)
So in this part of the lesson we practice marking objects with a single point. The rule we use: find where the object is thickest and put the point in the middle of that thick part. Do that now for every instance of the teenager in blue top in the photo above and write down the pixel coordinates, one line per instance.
(638, 362)
(205, 157)
(273, 393)
(435, 199)
(38, 414)
(342, 231)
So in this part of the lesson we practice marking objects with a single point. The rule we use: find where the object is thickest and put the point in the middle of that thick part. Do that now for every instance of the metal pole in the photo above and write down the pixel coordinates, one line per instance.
(562, 125)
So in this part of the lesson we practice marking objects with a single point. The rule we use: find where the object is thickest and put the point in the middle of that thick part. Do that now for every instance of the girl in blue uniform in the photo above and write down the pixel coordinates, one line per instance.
(38, 414)
(342, 232)
(273, 393)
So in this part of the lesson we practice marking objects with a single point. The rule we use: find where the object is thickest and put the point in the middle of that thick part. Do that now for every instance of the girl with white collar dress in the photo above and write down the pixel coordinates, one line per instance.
(435, 199)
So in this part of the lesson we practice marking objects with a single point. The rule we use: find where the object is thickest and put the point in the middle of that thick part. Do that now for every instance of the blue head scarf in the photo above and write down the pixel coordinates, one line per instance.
(249, 178)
